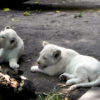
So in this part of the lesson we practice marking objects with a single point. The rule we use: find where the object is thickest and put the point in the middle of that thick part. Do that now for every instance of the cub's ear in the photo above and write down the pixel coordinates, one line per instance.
(56, 53)
(7, 27)
(44, 43)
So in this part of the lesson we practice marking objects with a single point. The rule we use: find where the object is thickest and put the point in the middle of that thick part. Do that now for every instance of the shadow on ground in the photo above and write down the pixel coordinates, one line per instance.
(50, 4)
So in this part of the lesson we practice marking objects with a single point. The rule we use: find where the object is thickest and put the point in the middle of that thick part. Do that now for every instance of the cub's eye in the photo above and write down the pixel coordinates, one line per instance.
(12, 41)
(3, 37)
(44, 58)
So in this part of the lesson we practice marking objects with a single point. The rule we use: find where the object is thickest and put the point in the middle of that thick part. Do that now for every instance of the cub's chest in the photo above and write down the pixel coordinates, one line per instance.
(4, 55)
(54, 70)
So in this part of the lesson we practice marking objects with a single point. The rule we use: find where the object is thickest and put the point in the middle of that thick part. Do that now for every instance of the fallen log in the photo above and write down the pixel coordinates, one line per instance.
(13, 87)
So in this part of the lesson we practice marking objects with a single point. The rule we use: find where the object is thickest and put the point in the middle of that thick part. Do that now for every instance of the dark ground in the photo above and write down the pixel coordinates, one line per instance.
(80, 34)
(69, 4)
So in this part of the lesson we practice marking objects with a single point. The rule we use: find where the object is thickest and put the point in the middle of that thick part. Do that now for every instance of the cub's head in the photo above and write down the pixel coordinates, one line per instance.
(49, 56)
(8, 38)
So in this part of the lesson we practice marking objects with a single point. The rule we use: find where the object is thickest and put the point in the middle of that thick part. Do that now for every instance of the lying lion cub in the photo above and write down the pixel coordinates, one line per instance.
(80, 70)
(11, 47)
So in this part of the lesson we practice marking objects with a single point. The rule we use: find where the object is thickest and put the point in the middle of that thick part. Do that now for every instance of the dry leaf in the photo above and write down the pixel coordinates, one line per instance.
(98, 10)
(67, 41)
(61, 85)
(6, 9)
(57, 11)
(14, 83)
(66, 98)
(36, 1)
(26, 13)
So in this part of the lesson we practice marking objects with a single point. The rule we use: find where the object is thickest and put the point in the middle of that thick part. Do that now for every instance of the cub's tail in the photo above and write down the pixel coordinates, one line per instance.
(89, 84)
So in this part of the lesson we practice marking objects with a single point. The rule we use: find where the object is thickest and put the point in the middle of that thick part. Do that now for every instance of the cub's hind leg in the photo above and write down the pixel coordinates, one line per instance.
(80, 77)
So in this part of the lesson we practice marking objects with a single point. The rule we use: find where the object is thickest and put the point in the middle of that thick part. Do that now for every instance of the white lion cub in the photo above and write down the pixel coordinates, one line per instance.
(11, 47)
(80, 70)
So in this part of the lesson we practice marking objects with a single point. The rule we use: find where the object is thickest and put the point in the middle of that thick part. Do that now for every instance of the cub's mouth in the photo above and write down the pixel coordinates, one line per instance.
(41, 67)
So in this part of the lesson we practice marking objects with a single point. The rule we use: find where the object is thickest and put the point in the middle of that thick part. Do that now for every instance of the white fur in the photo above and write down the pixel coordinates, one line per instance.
(12, 47)
(80, 70)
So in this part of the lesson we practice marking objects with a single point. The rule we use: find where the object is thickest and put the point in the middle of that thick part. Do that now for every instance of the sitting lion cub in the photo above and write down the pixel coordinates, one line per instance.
(11, 47)
(80, 70)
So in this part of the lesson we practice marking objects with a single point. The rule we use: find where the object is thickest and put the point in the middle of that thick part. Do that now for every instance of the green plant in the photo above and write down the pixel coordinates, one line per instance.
(40, 97)
(80, 15)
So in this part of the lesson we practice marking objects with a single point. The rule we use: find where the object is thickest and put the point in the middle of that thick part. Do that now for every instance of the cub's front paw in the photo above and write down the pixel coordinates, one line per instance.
(71, 88)
(34, 69)
(14, 65)
(63, 77)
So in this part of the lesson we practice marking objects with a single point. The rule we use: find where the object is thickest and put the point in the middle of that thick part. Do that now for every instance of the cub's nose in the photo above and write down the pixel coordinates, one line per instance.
(38, 62)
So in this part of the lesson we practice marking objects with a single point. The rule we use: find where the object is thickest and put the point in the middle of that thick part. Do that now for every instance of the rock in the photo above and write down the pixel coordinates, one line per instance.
(92, 94)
